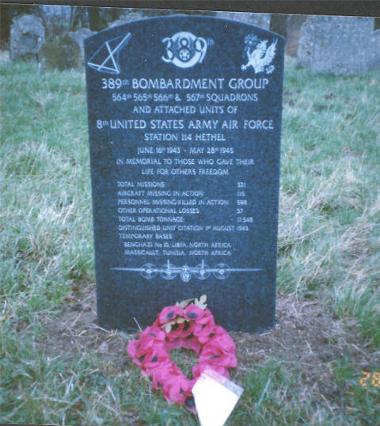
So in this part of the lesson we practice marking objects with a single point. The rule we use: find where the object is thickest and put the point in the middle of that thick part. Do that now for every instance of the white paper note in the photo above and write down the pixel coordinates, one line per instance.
(215, 397)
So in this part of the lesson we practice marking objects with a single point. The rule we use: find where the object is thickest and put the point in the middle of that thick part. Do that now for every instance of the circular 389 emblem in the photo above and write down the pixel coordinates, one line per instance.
(184, 49)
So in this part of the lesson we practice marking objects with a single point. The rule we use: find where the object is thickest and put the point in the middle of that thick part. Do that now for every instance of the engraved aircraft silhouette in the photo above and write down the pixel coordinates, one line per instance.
(169, 271)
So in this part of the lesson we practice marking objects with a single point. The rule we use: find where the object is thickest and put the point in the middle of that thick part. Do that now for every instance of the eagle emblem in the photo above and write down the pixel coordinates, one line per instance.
(259, 54)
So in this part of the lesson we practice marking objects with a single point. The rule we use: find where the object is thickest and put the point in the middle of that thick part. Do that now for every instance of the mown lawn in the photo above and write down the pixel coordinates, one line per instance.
(58, 367)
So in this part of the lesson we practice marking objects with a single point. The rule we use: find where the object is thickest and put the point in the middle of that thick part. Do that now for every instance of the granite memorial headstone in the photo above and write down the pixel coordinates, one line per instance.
(184, 125)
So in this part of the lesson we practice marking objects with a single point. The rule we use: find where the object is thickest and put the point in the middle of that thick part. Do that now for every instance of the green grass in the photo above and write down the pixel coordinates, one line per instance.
(330, 184)
(329, 251)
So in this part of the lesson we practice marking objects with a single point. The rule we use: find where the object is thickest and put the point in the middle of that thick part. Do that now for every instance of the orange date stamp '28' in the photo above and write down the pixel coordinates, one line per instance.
(369, 378)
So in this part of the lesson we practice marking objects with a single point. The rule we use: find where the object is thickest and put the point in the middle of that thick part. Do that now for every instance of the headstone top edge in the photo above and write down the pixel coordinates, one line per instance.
(176, 16)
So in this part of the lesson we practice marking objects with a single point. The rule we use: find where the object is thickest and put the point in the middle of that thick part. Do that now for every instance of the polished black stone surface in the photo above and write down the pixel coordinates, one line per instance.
(184, 126)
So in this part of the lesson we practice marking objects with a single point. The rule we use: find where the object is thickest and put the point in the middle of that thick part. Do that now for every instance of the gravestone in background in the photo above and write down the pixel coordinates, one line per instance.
(184, 124)
(79, 36)
(26, 37)
(341, 45)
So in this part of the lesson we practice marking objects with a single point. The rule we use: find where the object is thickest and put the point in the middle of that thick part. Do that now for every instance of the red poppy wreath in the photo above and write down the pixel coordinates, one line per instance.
(188, 325)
